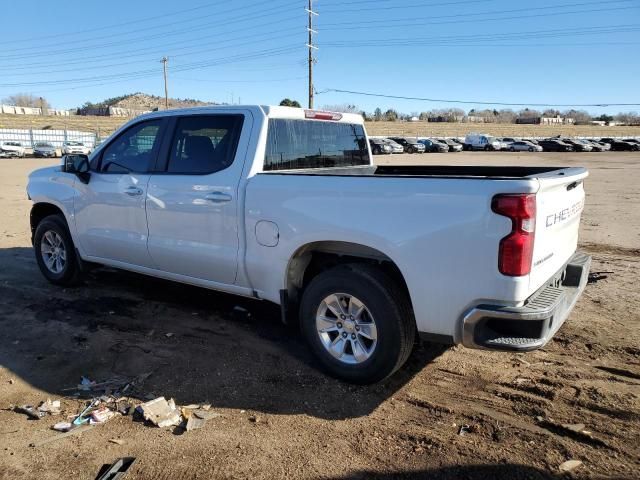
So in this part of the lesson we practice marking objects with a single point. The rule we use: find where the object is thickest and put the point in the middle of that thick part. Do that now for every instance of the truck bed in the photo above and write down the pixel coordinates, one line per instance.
(439, 171)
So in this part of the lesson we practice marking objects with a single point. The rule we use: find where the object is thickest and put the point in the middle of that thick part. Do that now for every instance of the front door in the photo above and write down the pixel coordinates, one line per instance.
(110, 216)
(192, 202)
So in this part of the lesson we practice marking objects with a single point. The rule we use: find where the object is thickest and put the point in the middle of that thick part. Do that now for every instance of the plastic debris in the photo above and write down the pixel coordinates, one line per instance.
(117, 441)
(464, 429)
(169, 335)
(116, 470)
(52, 408)
(569, 465)
(194, 422)
(101, 415)
(63, 426)
(161, 413)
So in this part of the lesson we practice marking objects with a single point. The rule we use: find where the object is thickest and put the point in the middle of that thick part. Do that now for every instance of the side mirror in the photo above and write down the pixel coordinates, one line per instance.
(77, 164)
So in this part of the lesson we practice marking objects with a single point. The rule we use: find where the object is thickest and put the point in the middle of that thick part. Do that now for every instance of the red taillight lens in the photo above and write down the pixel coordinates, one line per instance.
(516, 249)
(319, 115)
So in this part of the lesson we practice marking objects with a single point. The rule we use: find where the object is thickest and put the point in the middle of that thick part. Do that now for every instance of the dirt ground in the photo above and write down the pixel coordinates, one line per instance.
(307, 425)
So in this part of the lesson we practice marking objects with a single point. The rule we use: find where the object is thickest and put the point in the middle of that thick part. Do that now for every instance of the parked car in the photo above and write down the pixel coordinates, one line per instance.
(411, 145)
(577, 144)
(432, 146)
(452, 144)
(379, 147)
(477, 141)
(522, 146)
(10, 148)
(71, 147)
(632, 140)
(362, 257)
(531, 140)
(504, 144)
(395, 147)
(44, 149)
(605, 146)
(552, 145)
(621, 145)
(597, 147)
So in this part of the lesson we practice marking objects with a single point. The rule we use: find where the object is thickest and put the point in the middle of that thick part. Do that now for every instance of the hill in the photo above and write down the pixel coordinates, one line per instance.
(142, 101)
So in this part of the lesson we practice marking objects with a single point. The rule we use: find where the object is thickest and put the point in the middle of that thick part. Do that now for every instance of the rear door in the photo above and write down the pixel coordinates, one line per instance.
(110, 210)
(559, 205)
(192, 204)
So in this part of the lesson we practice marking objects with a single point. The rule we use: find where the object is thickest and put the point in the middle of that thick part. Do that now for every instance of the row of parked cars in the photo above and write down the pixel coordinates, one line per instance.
(476, 141)
(9, 148)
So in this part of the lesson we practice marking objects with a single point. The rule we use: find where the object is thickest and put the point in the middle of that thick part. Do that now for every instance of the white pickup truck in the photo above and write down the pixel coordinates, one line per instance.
(285, 205)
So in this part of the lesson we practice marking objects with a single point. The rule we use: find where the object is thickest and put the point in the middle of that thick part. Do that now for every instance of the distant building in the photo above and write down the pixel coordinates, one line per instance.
(15, 110)
(111, 111)
(545, 120)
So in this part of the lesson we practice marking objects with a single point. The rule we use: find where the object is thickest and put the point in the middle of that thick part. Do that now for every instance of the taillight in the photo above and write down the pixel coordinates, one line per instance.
(516, 249)
(319, 115)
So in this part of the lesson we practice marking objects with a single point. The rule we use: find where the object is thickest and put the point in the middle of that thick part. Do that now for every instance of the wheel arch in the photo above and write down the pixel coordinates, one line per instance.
(313, 258)
(41, 210)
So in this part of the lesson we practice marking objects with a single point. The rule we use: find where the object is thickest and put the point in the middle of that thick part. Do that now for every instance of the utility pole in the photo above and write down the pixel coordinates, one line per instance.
(166, 91)
(311, 47)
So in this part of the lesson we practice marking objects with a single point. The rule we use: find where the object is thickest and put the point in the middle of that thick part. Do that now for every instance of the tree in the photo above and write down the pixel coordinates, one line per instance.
(604, 118)
(26, 100)
(391, 115)
(377, 115)
(286, 102)
(580, 116)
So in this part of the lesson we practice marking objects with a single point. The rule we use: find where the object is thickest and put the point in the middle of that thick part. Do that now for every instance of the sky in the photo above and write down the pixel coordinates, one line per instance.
(547, 51)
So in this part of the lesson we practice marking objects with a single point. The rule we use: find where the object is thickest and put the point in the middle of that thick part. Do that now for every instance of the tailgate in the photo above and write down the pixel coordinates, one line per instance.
(559, 204)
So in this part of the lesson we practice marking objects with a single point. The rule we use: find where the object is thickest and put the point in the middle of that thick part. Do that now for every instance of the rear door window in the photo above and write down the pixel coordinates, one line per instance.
(297, 144)
(204, 144)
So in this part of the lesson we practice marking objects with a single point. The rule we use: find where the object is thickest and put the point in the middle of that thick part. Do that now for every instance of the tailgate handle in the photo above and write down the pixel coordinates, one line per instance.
(572, 185)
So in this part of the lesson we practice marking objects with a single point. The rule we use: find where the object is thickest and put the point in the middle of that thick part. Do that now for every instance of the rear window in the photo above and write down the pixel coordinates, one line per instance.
(297, 144)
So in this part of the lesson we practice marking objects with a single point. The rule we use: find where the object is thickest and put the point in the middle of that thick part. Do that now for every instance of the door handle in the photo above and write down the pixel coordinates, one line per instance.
(218, 197)
(133, 191)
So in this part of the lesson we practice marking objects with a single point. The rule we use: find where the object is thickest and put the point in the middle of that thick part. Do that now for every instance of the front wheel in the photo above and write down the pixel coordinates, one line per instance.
(359, 324)
(55, 252)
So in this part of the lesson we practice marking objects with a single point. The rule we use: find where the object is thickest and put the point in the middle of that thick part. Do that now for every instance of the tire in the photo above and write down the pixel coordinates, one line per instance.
(386, 306)
(531, 149)
(511, 149)
(50, 233)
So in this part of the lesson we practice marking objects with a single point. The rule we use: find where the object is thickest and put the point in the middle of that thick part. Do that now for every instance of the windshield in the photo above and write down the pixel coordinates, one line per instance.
(74, 144)
(296, 144)
(43, 145)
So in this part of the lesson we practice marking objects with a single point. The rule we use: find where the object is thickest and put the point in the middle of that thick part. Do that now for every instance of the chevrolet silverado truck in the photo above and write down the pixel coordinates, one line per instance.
(285, 205)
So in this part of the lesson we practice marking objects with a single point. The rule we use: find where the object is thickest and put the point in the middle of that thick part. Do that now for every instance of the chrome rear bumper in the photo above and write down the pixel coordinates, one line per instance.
(499, 327)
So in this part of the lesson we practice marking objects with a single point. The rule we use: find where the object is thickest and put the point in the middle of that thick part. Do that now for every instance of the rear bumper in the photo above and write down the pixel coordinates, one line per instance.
(499, 327)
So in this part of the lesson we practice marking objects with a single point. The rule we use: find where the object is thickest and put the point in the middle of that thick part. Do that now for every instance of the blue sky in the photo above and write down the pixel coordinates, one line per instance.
(563, 51)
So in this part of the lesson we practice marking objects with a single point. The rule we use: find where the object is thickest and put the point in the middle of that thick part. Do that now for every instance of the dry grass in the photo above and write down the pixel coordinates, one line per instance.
(106, 125)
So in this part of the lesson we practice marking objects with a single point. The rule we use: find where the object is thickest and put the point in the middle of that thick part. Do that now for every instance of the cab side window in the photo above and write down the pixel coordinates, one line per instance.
(133, 150)
(204, 144)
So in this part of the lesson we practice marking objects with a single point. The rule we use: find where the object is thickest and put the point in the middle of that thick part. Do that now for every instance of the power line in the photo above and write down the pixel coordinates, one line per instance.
(38, 52)
(390, 23)
(404, 7)
(75, 34)
(174, 53)
(150, 72)
(448, 39)
(478, 102)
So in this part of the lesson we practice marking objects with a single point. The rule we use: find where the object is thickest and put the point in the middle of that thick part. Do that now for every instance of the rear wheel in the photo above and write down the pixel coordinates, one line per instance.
(358, 322)
(511, 149)
(531, 149)
(55, 252)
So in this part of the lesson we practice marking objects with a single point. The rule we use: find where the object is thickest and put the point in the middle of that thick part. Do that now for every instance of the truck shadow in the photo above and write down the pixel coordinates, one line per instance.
(196, 344)
(467, 472)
